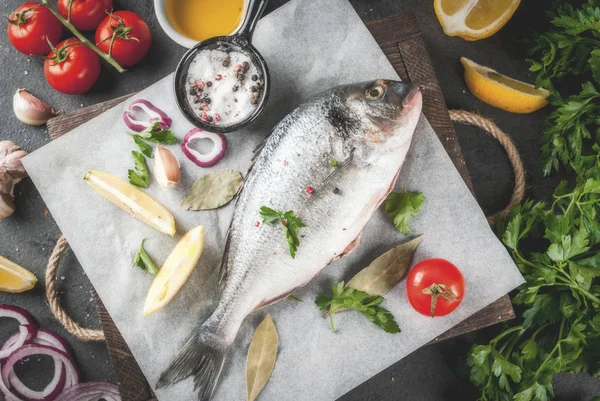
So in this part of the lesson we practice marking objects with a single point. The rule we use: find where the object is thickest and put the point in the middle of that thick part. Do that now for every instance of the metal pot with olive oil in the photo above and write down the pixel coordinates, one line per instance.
(203, 19)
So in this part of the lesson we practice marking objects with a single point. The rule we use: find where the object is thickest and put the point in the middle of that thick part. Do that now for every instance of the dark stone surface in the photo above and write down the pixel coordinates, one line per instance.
(432, 373)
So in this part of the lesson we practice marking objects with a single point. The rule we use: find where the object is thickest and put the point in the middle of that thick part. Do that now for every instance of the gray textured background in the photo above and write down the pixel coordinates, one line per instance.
(432, 373)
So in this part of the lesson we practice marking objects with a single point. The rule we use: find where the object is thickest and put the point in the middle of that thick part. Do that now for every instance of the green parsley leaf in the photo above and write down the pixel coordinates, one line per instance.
(345, 298)
(144, 261)
(402, 207)
(154, 134)
(139, 177)
(144, 147)
(290, 224)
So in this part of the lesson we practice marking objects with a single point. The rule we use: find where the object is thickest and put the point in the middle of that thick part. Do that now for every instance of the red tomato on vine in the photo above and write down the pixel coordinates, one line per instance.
(72, 67)
(85, 15)
(31, 27)
(125, 36)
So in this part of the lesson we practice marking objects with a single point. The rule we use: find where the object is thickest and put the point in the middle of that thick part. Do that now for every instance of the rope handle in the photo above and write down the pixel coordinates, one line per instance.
(465, 117)
(58, 312)
(459, 116)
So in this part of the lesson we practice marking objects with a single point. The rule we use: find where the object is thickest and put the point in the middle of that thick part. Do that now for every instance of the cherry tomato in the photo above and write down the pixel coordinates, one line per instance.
(28, 27)
(435, 287)
(86, 15)
(72, 68)
(130, 34)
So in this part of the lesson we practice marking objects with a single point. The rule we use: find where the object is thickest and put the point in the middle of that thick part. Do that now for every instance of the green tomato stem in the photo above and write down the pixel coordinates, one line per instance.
(83, 39)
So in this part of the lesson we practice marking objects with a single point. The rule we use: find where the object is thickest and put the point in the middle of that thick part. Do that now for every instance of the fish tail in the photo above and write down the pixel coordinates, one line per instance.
(202, 358)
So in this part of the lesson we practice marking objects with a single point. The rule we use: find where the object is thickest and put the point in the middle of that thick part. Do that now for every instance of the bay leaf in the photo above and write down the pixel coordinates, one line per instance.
(261, 357)
(213, 190)
(386, 271)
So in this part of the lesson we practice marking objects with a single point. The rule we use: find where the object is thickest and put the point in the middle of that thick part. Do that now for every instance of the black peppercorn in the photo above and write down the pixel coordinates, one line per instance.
(208, 83)
(254, 77)
(253, 89)
(227, 62)
(336, 190)
(236, 88)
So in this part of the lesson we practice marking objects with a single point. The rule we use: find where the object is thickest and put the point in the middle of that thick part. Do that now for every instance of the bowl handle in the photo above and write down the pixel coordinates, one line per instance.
(256, 9)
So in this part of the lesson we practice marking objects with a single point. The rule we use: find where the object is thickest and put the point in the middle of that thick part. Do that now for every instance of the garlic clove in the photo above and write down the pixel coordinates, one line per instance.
(31, 110)
(13, 165)
(166, 167)
(7, 203)
(7, 147)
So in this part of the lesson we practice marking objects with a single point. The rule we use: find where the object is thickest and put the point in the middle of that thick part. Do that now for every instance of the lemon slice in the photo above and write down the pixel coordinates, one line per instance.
(175, 271)
(501, 91)
(474, 19)
(132, 200)
(14, 278)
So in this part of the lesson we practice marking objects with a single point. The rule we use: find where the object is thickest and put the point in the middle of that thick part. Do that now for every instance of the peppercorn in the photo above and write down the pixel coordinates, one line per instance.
(254, 77)
(253, 89)
(254, 100)
(258, 85)
(309, 190)
(245, 66)
(334, 163)
(208, 83)
(210, 119)
(336, 190)
(227, 62)
(207, 100)
(236, 88)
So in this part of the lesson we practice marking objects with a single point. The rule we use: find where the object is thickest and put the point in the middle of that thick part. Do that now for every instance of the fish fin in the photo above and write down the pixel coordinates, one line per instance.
(223, 269)
(267, 302)
(352, 246)
(202, 358)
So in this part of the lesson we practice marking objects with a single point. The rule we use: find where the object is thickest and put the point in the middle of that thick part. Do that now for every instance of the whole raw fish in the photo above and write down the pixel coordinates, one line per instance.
(366, 129)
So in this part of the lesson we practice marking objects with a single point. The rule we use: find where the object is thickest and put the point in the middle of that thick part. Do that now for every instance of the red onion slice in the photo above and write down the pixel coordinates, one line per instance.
(8, 395)
(71, 374)
(91, 391)
(52, 390)
(200, 159)
(154, 115)
(26, 335)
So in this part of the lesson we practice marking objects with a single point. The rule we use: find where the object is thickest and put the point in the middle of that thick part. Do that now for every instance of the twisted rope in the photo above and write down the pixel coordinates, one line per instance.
(465, 117)
(58, 312)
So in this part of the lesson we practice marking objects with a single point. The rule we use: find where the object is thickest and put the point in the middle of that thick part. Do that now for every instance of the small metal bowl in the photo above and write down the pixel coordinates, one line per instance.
(239, 42)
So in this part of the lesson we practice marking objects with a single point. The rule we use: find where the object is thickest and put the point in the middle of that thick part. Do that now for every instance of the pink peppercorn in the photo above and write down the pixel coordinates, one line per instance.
(257, 224)
(217, 117)
(309, 190)
(218, 77)
(200, 84)
(204, 116)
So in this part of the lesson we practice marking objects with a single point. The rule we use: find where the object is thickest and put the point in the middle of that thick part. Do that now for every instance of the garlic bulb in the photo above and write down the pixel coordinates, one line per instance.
(31, 110)
(11, 172)
(166, 167)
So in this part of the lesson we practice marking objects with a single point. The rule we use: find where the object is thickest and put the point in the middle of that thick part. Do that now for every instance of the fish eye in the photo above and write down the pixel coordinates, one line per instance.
(374, 93)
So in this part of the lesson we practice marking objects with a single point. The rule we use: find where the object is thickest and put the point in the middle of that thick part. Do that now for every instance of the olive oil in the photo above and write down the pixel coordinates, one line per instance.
(203, 19)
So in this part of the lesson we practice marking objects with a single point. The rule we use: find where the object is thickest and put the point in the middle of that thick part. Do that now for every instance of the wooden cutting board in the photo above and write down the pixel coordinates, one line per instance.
(400, 38)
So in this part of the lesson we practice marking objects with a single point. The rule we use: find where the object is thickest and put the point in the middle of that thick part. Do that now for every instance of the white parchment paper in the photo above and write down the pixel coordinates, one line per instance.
(309, 47)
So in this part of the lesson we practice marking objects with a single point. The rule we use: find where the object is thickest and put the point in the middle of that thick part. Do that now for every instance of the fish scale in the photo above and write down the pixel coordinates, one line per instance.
(367, 128)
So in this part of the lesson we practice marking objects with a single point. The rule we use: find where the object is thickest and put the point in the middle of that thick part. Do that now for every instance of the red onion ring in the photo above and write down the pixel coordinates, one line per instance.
(91, 391)
(49, 338)
(70, 373)
(27, 329)
(155, 115)
(209, 159)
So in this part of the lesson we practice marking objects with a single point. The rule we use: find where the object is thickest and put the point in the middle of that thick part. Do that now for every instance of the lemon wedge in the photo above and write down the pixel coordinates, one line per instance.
(132, 200)
(474, 19)
(14, 278)
(501, 91)
(175, 271)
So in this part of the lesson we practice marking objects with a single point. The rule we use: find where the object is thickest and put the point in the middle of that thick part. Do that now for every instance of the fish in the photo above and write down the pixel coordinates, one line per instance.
(367, 129)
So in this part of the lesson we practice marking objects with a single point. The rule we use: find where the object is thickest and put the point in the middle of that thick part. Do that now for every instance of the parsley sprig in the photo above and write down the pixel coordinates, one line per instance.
(140, 176)
(345, 298)
(402, 207)
(144, 261)
(290, 224)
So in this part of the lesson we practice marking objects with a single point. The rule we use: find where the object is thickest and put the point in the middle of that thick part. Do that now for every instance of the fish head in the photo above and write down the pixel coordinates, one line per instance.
(389, 111)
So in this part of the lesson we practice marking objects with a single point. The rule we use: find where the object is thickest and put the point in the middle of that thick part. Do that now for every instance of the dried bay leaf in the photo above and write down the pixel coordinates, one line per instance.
(213, 190)
(261, 357)
(386, 271)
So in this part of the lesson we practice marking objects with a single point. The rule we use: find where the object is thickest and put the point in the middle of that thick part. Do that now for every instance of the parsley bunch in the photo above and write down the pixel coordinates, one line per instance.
(345, 298)
(559, 330)
(571, 47)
